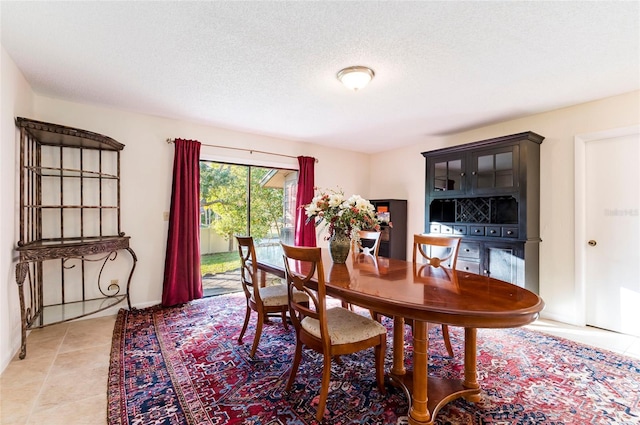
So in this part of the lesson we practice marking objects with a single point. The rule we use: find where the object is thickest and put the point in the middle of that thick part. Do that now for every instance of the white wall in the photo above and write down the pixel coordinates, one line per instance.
(16, 101)
(558, 286)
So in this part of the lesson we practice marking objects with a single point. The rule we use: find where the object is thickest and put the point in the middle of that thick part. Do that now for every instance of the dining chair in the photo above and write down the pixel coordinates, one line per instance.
(372, 247)
(359, 249)
(332, 332)
(436, 251)
(267, 300)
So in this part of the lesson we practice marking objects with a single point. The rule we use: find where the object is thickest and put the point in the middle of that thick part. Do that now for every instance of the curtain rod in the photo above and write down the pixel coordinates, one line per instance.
(246, 150)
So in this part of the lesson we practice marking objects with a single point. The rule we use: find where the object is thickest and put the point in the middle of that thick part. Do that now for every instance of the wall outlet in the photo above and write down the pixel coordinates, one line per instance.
(165, 215)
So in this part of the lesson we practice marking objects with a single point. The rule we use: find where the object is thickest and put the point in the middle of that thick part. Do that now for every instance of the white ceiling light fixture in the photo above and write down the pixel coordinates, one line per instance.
(356, 77)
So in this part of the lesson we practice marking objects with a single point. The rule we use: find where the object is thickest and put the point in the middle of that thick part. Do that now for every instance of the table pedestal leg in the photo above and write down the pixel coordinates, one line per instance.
(470, 362)
(398, 347)
(419, 412)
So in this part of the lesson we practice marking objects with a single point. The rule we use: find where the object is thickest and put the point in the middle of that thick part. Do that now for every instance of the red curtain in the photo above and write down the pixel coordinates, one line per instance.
(182, 277)
(305, 233)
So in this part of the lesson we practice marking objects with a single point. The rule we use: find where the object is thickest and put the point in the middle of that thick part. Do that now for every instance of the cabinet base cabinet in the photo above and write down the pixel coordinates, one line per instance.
(513, 262)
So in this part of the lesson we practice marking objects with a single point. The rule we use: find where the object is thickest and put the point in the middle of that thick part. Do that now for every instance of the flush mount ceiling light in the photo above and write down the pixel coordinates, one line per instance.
(356, 77)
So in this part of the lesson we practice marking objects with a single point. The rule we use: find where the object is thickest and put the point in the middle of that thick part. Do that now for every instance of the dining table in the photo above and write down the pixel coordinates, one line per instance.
(427, 295)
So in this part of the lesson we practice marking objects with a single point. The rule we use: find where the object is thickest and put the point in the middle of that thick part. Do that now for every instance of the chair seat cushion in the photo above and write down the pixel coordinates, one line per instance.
(275, 295)
(344, 326)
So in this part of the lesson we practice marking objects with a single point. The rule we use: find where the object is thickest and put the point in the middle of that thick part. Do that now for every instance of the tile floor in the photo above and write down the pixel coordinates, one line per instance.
(63, 379)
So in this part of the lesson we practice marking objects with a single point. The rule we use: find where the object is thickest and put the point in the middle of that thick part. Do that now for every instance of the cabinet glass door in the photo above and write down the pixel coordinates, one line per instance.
(495, 170)
(448, 175)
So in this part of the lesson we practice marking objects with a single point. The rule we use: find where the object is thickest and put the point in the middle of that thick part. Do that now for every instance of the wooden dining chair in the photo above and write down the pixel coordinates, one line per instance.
(436, 251)
(372, 246)
(368, 249)
(332, 332)
(265, 300)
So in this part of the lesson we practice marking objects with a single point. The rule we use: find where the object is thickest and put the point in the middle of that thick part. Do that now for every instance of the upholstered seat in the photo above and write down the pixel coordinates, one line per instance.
(276, 295)
(344, 326)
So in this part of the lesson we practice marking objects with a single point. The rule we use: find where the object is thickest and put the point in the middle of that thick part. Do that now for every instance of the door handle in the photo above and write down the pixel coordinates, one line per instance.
(592, 243)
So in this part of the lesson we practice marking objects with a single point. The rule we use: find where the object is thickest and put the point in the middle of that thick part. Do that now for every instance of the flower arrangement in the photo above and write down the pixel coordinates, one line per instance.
(344, 216)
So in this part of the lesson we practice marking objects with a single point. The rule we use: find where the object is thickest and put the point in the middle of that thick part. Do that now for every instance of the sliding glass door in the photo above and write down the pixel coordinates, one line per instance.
(241, 200)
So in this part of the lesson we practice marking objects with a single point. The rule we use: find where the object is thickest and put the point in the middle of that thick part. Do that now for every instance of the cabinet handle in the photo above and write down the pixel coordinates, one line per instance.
(509, 232)
(466, 250)
(492, 231)
(486, 272)
(462, 174)
(466, 268)
(477, 230)
(473, 173)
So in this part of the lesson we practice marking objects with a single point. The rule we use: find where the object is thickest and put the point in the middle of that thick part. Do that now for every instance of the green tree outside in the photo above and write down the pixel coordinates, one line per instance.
(223, 190)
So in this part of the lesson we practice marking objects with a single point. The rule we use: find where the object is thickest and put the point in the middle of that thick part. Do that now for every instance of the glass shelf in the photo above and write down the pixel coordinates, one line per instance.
(70, 172)
(57, 313)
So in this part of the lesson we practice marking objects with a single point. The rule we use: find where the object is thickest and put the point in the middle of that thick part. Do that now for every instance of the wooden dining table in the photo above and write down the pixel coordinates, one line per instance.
(404, 290)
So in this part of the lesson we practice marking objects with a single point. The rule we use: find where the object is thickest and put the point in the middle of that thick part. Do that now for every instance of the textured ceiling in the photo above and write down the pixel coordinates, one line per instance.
(270, 67)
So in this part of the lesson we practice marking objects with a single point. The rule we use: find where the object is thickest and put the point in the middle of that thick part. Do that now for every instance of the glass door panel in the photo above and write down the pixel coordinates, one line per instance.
(241, 200)
(448, 175)
(494, 169)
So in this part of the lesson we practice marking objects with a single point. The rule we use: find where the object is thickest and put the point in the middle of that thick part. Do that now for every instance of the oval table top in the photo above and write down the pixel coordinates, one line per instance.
(437, 295)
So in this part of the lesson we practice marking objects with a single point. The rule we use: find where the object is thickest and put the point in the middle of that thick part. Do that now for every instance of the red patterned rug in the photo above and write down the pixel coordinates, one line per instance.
(183, 365)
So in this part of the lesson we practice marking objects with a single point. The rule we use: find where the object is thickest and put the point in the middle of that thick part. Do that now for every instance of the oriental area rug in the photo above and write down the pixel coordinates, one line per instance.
(183, 365)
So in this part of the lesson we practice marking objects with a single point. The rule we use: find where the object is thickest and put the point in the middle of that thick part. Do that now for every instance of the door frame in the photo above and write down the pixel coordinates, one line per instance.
(580, 246)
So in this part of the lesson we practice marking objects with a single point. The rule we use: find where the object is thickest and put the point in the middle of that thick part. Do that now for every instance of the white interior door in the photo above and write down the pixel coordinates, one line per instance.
(612, 230)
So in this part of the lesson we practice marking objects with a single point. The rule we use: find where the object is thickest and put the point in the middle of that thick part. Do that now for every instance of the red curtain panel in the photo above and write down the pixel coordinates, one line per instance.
(182, 277)
(305, 233)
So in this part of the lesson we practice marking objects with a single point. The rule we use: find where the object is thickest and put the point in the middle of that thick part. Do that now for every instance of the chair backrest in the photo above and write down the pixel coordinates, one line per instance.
(301, 264)
(439, 251)
(248, 267)
(370, 249)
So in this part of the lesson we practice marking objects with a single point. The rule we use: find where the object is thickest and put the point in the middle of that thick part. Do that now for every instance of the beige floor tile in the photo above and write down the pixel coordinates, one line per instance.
(48, 332)
(83, 359)
(74, 386)
(42, 343)
(102, 324)
(79, 338)
(634, 349)
(594, 337)
(27, 371)
(88, 411)
(17, 402)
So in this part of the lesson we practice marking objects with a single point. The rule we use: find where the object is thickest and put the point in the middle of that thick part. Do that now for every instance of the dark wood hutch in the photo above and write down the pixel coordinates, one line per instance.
(488, 192)
(69, 225)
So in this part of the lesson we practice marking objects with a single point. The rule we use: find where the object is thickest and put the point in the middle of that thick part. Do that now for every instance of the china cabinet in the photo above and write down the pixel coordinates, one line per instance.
(488, 192)
(70, 237)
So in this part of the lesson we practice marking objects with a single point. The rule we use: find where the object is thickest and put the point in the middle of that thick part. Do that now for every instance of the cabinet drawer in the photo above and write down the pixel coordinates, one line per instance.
(477, 230)
(510, 232)
(493, 231)
(434, 228)
(469, 250)
(468, 266)
(446, 229)
(459, 230)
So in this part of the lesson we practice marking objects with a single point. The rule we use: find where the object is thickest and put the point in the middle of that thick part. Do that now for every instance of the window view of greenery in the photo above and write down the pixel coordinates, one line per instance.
(228, 210)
